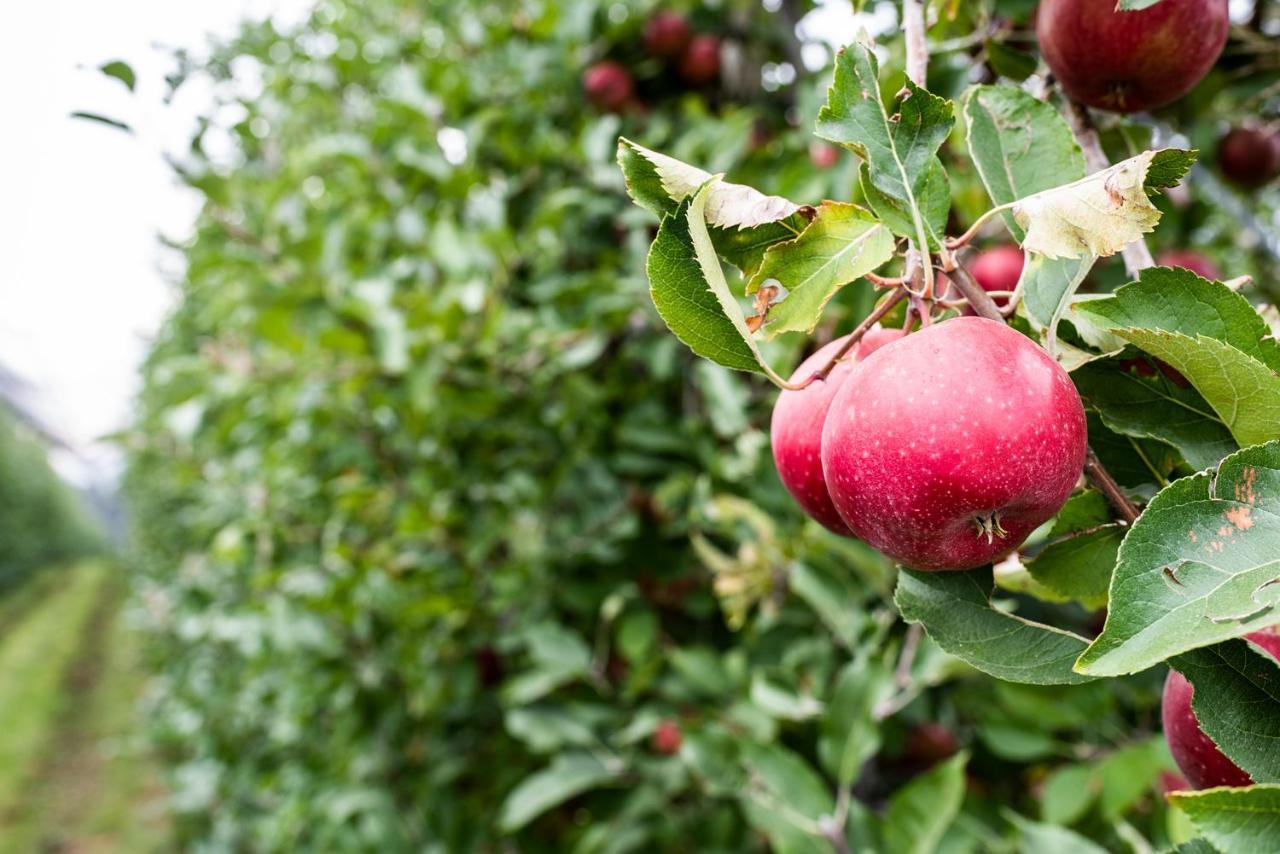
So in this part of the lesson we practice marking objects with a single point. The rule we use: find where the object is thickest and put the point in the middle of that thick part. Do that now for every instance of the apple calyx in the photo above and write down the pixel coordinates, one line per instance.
(988, 524)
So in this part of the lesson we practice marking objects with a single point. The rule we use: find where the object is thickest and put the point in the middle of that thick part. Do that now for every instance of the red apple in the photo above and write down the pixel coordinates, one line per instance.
(930, 742)
(1200, 760)
(823, 155)
(608, 85)
(667, 738)
(998, 269)
(667, 34)
(796, 429)
(701, 61)
(1248, 157)
(945, 449)
(1191, 260)
(1131, 61)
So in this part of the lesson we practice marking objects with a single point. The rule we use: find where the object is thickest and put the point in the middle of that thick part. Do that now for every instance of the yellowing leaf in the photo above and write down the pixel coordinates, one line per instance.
(728, 205)
(1096, 215)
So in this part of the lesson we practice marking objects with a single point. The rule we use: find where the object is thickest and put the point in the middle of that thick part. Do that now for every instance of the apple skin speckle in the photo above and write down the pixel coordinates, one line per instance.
(796, 428)
(945, 449)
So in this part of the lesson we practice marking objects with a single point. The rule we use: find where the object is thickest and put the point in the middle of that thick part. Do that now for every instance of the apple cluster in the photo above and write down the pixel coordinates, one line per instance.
(944, 448)
(669, 37)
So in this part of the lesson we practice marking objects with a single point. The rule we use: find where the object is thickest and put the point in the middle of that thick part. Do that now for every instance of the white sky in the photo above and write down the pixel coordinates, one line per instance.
(81, 204)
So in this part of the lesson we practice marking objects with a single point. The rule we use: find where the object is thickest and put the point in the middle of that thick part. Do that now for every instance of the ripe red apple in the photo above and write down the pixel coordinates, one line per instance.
(1200, 760)
(823, 155)
(700, 63)
(930, 742)
(998, 269)
(608, 85)
(945, 449)
(667, 738)
(1248, 157)
(667, 34)
(796, 429)
(1130, 61)
(1192, 260)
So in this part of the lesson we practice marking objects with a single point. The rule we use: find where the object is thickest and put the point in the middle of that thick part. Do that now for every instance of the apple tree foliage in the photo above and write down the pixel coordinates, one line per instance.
(438, 523)
(43, 522)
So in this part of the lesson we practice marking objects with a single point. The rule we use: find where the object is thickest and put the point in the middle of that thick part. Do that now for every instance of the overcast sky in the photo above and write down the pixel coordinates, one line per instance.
(81, 204)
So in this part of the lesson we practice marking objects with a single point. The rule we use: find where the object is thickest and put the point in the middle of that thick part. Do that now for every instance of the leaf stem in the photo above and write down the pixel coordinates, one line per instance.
(854, 337)
(962, 240)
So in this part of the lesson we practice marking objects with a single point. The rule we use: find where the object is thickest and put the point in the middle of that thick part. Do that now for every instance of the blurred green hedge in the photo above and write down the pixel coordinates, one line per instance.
(43, 522)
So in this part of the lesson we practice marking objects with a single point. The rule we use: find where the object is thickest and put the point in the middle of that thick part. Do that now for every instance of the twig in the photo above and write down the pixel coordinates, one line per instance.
(917, 48)
(1106, 484)
(973, 293)
(917, 72)
(907, 658)
(1136, 254)
(855, 336)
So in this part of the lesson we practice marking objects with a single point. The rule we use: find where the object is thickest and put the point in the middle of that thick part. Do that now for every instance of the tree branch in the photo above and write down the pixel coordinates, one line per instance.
(1136, 255)
(973, 294)
(917, 48)
(1106, 484)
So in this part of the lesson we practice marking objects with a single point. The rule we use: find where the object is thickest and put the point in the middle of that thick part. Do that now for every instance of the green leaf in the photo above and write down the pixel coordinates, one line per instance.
(1077, 562)
(1174, 299)
(1009, 62)
(781, 702)
(833, 598)
(1236, 821)
(1237, 703)
(933, 195)
(1168, 167)
(692, 297)
(101, 119)
(955, 609)
(900, 152)
(1048, 286)
(569, 775)
(1036, 838)
(1068, 793)
(920, 812)
(1134, 5)
(1154, 407)
(1020, 145)
(1196, 568)
(1128, 774)
(783, 787)
(850, 732)
(1244, 392)
(842, 243)
(121, 71)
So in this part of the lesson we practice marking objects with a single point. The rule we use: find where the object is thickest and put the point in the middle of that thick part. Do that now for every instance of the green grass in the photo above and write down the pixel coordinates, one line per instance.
(74, 774)
(34, 655)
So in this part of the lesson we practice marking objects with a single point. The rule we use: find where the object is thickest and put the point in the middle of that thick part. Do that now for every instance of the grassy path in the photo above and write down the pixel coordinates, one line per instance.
(73, 773)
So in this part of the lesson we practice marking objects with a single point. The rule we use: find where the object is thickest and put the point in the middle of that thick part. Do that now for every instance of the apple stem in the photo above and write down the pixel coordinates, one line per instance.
(1137, 256)
(1106, 484)
(855, 336)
